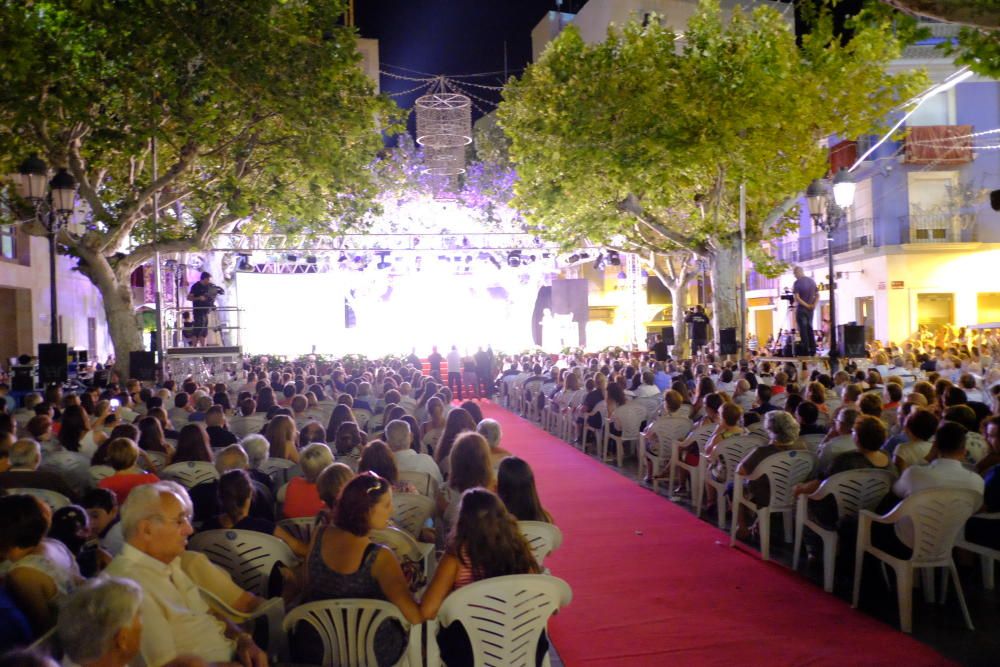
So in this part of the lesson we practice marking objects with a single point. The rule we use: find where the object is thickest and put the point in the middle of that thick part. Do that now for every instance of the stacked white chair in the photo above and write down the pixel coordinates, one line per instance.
(249, 556)
(731, 451)
(543, 538)
(937, 517)
(783, 470)
(347, 629)
(504, 617)
(853, 490)
(190, 474)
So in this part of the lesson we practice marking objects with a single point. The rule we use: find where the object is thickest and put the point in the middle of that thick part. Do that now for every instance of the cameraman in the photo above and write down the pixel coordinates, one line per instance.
(202, 295)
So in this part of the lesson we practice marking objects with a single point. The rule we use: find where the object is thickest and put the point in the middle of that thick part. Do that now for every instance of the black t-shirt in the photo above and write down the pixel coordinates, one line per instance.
(246, 523)
(435, 360)
(220, 437)
(200, 289)
(697, 326)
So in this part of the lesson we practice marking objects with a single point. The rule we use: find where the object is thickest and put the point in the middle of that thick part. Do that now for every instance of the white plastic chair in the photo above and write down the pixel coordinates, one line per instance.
(347, 630)
(411, 511)
(503, 616)
(812, 441)
(669, 431)
(426, 485)
(190, 474)
(783, 470)
(854, 490)
(937, 517)
(543, 538)
(631, 423)
(701, 437)
(731, 451)
(272, 611)
(599, 409)
(53, 499)
(405, 545)
(247, 555)
(97, 473)
(529, 404)
(277, 469)
(362, 417)
(301, 528)
(986, 555)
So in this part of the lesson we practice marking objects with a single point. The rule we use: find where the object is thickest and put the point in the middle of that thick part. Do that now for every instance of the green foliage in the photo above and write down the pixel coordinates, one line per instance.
(641, 141)
(260, 110)
(979, 49)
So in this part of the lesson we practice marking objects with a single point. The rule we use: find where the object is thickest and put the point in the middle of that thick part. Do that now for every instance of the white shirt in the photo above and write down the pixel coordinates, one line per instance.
(454, 362)
(175, 618)
(941, 473)
(913, 453)
(409, 460)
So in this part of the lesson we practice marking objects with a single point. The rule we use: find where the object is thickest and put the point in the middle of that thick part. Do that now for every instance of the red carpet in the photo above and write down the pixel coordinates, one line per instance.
(654, 585)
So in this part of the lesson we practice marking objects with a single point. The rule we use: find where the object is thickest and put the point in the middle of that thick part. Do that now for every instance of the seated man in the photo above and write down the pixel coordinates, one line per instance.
(156, 522)
(25, 456)
(490, 429)
(398, 437)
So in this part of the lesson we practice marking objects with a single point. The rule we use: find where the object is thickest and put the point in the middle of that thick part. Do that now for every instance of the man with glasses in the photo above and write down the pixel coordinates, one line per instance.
(156, 523)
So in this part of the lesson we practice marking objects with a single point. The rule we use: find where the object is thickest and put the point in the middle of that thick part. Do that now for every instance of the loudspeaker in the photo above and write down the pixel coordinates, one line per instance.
(22, 378)
(142, 366)
(53, 363)
(851, 340)
(727, 341)
(668, 335)
(995, 200)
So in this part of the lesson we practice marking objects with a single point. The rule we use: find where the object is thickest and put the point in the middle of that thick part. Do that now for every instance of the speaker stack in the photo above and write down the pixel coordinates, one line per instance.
(53, 363)
(851, 340)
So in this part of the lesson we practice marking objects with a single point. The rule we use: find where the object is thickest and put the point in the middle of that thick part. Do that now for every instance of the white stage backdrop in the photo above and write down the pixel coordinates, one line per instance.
(297, 313)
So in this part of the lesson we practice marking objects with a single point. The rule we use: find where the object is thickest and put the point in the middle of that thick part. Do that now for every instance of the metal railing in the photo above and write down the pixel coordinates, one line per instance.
(854, 235)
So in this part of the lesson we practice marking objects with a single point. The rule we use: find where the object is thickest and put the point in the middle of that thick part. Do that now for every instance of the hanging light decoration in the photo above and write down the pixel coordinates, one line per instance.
(444, 129)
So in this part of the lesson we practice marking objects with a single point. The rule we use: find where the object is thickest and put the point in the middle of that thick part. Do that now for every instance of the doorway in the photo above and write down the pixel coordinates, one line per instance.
(15, 326)
(864, 315)
(763, 320)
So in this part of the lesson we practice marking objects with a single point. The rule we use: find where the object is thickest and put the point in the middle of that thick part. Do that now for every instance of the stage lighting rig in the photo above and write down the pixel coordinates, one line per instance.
(599, 263)
(614, 259)
(514, 258)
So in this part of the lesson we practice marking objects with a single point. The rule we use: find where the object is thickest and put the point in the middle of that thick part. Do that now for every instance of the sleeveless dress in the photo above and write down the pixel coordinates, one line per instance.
(325, 584)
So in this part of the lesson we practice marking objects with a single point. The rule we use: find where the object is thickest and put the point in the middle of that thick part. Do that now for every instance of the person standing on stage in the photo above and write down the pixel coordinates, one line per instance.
(697, 323)
(434, 359)
(659, 349)
(806, 296)
(202, 295)
(455, 371)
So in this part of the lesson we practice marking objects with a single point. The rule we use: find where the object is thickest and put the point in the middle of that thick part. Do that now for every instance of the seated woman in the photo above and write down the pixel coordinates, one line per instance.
(470, 467)
(301, 497)
(348, 443)
(344, 563)
(71, 526)
(485, 543)
(730, 426)
(376, 457)
(431, 430)
(341, 413)
(783, 435)
(458, 421)
(152, 438)
(78, 434)
(516, 488)
(192, 445)
(235, 497)
(39, 571)
(123, 455)
(329, 484)
(282, 435)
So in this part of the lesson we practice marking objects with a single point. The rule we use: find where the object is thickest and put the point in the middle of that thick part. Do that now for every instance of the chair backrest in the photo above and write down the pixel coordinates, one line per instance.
(812, 441)
(543, 538)
(400, 541)
(856, 490)
(784, 470)
(247, 555)
(631, 416)
(672, 428)
(345, 627)
(97, 473)
(411, 511)
(362, 417)
(426, 485)
(301, 528)
(938, 516)
(732, 450)
(505, 616)
(159, 459)
(276, 469)
(190, 474)
(53, 499)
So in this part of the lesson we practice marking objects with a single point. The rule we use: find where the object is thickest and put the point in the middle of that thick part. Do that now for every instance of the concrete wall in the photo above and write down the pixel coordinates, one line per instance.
(78, 300)
(546, 30)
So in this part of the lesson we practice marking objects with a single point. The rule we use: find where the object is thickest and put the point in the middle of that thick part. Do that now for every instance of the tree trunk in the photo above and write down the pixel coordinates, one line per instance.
(678, 296)
(116, 294)
(726, 267)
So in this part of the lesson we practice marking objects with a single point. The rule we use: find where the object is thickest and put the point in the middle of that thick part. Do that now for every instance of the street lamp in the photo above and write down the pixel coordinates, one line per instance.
(827, 214)
(53, 202)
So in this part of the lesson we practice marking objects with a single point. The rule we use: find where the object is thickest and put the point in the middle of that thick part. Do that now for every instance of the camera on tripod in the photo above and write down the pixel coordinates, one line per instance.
(787, 296)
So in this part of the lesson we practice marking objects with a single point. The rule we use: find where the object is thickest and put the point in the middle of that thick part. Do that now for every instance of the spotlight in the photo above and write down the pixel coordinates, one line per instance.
(573, 259)
(645, 273)
(465, 242)
(292, 258)
(621, 275)
(599, 263)
(311, 259)
(444, 258)
(343, 257)
(614, 259)
(514, 258)
(584, 255)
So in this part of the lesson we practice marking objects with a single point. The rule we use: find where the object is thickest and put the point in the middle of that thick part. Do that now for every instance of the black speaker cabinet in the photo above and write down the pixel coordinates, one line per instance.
(668, 335)
(142, 366)
(53, 363)
(22, 378)
(851, 340)
(727, 341)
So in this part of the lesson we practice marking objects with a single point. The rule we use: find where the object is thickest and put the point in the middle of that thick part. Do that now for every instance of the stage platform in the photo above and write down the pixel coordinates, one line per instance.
(207, 352)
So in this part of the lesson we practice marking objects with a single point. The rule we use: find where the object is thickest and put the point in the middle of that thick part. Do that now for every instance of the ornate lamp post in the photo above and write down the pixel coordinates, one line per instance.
(827, 214)
(53, 202)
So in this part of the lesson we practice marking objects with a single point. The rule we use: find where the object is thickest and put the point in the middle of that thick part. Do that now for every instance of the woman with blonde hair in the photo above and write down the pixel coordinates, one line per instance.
(282, 435)
(123, 455)
(470, 467)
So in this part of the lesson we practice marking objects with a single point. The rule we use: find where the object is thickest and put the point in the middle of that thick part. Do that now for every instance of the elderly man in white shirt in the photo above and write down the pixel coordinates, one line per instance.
(398, 437)
(840, 443)
(156, 521)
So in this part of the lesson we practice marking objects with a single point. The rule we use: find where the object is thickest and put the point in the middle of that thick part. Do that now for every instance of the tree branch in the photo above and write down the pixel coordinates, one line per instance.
(87, 190)
(632, 205)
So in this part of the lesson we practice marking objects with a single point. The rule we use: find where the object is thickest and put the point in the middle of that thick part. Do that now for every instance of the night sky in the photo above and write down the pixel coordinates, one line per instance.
(451, 37)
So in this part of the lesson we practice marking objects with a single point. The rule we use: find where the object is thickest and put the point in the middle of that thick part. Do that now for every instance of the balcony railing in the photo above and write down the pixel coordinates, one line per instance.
(940, 227)
(755, 281)
(857, 234)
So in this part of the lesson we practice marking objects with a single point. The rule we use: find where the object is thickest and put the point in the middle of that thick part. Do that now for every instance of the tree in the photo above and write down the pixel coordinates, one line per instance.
(259, 111)
(642, 141)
